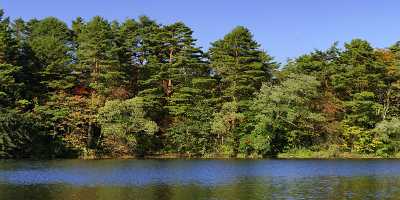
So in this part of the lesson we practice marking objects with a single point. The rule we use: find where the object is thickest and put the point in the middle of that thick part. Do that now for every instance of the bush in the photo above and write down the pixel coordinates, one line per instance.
(26, 135)
(388, 134)
(123, 124)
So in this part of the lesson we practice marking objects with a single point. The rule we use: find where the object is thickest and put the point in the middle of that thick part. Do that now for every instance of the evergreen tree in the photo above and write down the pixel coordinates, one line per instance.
(188, 87)
(97, 69)
(50, 41)
(148, 47)
(8, 44)
(97, 65)
(240, 64)
(360, 70)
(241, 68)
(10, 85)
(185, 65)
(138, 87)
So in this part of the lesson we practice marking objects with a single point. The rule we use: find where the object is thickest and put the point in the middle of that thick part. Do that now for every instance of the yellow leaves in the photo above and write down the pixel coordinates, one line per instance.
(393, 70)
(227, 119)
(75, 141)
(359, 139)
(385, 55)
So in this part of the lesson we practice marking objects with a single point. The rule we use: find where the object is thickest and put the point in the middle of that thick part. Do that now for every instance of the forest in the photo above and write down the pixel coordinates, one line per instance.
(104, 89)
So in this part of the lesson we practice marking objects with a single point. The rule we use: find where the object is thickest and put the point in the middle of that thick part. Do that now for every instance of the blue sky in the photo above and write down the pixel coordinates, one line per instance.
(284, 28)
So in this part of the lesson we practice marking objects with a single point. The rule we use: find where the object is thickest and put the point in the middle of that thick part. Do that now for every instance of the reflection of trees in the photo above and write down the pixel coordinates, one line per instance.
(249, 188)
(367, 188)
(161, 192)
(37, 192)
(359, 188)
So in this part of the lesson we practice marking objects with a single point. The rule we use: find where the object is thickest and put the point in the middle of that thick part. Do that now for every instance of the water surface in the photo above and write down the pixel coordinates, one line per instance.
(200, 179)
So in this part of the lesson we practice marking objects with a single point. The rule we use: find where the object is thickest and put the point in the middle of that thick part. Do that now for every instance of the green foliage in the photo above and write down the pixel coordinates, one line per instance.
(104, 88)
(8, 44)
(240, 64)
(359, 139)
(124, 121)
(240, 67)
(183, 59)
(361, 69)
(192, 134)
(285, 116)
(98, 65)
(50, 41)
(363, 110)
(388, 133)
(27, 135)
(9, 87)
(225, 124)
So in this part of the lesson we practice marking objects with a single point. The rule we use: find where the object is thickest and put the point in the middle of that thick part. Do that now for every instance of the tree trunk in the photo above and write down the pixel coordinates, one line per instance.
(386, 104)
(135, 78)
(167, 84)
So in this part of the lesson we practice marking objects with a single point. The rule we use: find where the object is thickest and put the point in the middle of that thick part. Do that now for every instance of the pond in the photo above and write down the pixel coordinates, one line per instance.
(200, 179)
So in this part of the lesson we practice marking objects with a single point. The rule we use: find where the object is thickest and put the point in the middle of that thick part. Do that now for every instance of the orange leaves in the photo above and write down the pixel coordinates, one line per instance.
(81, 90)
(385, 55)
(120, 93)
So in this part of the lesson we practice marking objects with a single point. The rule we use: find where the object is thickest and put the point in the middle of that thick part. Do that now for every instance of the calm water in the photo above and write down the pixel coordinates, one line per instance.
(200, 179)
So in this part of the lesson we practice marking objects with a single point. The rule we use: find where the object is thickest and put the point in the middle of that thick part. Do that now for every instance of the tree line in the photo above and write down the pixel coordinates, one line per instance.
(104, 88)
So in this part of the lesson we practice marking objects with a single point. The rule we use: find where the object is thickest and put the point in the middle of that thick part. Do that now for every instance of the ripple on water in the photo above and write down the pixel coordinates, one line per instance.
(204, 179)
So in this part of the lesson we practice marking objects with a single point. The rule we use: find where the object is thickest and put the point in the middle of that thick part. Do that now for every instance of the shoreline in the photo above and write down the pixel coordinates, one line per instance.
(294, 155)
(317, 155)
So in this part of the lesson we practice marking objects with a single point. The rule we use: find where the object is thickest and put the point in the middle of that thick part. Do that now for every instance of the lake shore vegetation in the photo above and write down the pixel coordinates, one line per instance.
(137, 88)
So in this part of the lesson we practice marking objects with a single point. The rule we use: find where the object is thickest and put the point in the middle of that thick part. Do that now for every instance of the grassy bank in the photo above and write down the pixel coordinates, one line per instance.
(327, 154)
(293, 154)
(162, 156)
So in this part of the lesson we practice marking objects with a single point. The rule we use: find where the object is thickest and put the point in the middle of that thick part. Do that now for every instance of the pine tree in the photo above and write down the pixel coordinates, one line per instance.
(185, 65)
(147, 50)
(138, 44)
(50, 41)
(97, 68)
(188, 87)
(96, 56)
(240, 64)
(359, 70)
(10, 86)
(241, 68)
(8, 45)
(30, 72)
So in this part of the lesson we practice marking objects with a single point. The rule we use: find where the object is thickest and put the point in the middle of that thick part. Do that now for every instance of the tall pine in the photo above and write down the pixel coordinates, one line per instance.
(241, 67)
(240, 64)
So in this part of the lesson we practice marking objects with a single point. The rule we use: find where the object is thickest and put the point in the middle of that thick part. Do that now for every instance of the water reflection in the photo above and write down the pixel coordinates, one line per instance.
(200, 179)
